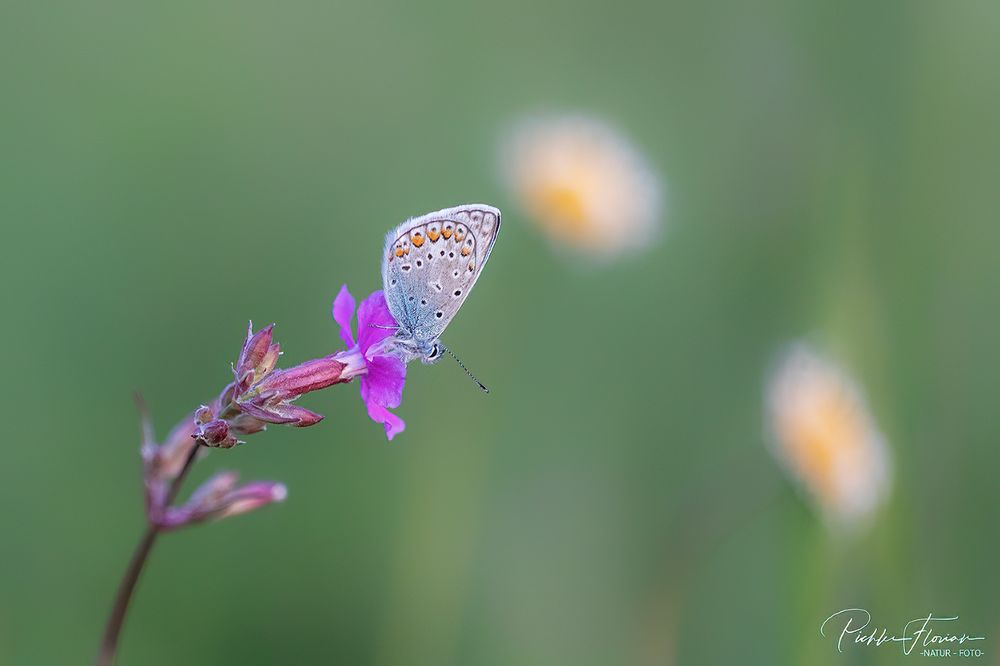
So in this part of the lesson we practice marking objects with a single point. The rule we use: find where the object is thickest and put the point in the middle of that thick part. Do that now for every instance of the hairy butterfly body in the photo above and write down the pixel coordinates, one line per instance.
(429, 265)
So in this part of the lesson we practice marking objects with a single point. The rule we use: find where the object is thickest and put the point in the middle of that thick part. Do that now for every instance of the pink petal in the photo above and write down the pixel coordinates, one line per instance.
(392, 423)
(384, 382)
(373, 318)
(382, 388)
(343, 313)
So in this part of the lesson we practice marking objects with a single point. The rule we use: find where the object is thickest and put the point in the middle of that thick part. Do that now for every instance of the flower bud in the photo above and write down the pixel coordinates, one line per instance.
(216, 433)
(257, 358)
(303, 378)
(162, 463)
(219, 497)
(244, 424)
(203, 415)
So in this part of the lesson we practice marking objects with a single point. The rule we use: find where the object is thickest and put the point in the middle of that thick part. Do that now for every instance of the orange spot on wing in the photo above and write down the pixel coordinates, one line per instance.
(399, 252)
(465, 251)
(433, 235)
(418, 240)
(446, 233)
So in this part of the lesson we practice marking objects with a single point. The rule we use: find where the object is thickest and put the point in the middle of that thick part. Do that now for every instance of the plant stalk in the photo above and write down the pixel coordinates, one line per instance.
(113, 629)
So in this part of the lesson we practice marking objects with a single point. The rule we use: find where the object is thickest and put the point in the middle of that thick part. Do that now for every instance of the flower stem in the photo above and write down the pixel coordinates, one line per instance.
(112, 631)
(109, 643)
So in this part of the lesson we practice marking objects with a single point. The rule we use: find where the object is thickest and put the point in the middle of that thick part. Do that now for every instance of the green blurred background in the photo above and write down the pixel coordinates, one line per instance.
(171, 170)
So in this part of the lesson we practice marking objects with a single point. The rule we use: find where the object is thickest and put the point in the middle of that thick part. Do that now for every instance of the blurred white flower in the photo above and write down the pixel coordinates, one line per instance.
(583, 183)
(825, 437)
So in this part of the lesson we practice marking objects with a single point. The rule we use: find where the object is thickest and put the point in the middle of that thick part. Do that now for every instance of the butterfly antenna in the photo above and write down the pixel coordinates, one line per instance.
(462, 365)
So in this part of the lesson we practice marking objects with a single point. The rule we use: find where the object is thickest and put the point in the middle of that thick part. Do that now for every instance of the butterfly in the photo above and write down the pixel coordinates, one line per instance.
(429, 266)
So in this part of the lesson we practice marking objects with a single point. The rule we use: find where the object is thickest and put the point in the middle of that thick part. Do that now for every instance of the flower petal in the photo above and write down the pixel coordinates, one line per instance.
(392, 423)
(343, 313)
(384, 382)
(375, 322)
(382, 388)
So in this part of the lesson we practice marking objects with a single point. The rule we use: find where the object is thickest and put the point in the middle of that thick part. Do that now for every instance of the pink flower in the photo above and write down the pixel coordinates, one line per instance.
(385, 374)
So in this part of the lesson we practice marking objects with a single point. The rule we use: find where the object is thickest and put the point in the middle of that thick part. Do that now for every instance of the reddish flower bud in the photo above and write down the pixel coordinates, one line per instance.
(245, 424)
(216, 433)
(219, 498)
(252, 496)
(263, 394)
(203, 415)
(276, 411)
(170, 455)
(162, 463)
(257, 358)
(255, 348)
(309, 376)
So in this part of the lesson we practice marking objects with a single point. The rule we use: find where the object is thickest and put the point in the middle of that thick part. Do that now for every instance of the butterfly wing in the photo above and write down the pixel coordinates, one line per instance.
(430, 264)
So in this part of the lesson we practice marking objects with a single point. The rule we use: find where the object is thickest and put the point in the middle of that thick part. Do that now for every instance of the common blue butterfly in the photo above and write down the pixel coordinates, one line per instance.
(429, 265)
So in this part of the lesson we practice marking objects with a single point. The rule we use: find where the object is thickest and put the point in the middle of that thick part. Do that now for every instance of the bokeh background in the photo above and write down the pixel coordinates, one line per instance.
(170, 170)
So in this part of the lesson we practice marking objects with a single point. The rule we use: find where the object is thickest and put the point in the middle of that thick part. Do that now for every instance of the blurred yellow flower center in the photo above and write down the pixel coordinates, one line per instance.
(584, 184)
(821, 436)
(562, 207)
